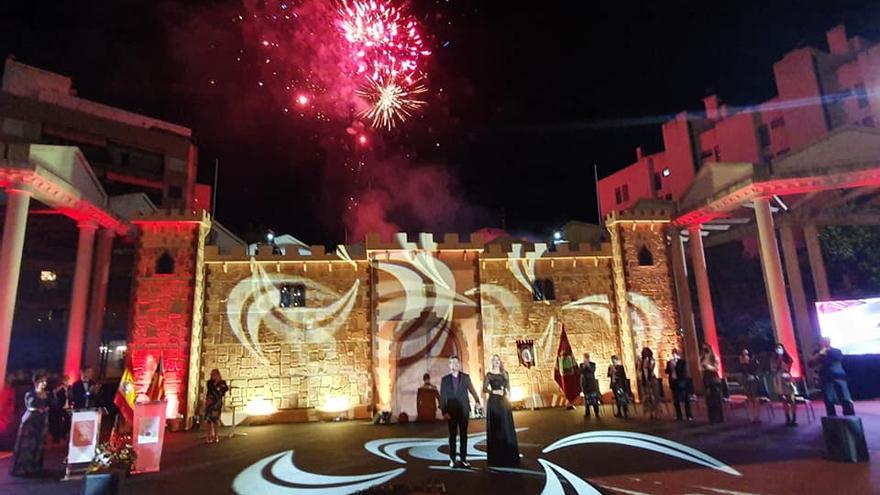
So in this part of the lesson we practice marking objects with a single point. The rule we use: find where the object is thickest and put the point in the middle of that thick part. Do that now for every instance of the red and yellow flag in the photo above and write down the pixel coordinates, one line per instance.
(566, 373)
(156, 390)
(126, 395)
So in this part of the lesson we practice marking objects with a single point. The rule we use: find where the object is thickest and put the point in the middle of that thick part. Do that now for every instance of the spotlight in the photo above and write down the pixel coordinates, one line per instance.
(557, 235)
(270, 236)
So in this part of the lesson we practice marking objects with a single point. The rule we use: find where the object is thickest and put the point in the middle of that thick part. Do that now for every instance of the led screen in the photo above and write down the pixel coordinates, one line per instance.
(853, 326)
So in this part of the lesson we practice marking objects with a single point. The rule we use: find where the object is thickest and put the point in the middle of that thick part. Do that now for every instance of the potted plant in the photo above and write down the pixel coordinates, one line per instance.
(113, 461)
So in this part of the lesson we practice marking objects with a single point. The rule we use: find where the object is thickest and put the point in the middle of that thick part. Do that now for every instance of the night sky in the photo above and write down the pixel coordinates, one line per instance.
(523, 100)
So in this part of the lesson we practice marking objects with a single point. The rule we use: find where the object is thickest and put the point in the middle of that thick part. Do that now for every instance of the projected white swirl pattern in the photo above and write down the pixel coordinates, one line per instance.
(255, 302)
(275, 475)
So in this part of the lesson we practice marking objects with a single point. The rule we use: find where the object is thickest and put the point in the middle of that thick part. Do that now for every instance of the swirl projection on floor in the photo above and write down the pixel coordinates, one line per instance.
(278, 474)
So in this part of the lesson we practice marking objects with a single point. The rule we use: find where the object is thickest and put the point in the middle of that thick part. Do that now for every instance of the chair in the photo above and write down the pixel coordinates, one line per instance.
(732, 399)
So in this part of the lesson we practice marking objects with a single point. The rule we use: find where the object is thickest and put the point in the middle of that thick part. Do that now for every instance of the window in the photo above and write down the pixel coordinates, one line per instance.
(544, 290)
(617, 196)
(777, 123)
(868, 122)
(165, 264)
(175, 192)
(645, 257)
(861, 95)
(764, 136)
(293, 296)
(624, 192)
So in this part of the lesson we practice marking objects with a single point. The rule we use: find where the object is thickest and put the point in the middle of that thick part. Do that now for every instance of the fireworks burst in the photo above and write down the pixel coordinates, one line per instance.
(386, 47)
(391, 102)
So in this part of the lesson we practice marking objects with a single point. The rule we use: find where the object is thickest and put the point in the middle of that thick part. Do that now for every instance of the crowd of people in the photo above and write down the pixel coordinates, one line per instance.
(49, 401)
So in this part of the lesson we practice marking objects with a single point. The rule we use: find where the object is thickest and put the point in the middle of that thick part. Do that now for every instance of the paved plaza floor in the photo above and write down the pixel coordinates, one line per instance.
(562, 453)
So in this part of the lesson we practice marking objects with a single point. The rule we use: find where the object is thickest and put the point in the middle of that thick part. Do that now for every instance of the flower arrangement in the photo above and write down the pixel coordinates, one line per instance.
(116, 453)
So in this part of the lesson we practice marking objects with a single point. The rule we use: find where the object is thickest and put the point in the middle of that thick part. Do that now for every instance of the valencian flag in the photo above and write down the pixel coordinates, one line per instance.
(525, 350)
(156, 390)
(566, 373)
(126, 394)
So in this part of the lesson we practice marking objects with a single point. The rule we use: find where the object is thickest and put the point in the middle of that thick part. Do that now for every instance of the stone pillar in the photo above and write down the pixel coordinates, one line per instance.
(691, 350)
(707, 312)
(817, 263)
(15, 223)
(807, 335)
(79, 298)
(772, 265)
(98, 302)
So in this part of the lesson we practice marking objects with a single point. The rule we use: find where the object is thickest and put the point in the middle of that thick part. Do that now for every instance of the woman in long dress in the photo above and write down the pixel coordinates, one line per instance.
(27, 458)
(619, 387)
(783, 383)
(712, 384)
(648, 383)
(216, 389)
(503, 450)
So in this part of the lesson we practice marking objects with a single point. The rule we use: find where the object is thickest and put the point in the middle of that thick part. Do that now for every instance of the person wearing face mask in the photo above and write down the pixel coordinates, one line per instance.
(676, 370)
(783, 384)
(619, 387)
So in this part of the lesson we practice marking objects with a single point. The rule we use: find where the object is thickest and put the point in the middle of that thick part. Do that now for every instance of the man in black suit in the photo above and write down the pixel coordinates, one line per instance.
(456, 408)
(83, 391)
(832, 378)
(676, 370)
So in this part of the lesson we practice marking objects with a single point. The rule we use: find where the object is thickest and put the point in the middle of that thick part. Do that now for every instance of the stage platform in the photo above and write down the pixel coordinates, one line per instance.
(610, 455)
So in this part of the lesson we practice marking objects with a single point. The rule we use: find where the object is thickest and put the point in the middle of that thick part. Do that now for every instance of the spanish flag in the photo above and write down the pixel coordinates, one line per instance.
(126, 395)
(156, 390)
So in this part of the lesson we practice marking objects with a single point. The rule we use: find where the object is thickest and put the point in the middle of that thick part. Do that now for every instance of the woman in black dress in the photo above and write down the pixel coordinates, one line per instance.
(619, 387)
(216, 389)
(27, 458)
(503, 450)
(712, 384)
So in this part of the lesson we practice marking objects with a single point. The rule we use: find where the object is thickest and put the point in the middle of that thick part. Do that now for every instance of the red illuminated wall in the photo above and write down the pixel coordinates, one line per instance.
(162, 305)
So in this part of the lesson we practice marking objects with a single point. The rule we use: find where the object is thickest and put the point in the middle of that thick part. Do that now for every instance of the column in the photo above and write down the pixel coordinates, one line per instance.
(707, 312)
(14, 225)
(98, 301)
(772, 266)
(807, 336)
(691, 350)
(79, 297)
(817, 263)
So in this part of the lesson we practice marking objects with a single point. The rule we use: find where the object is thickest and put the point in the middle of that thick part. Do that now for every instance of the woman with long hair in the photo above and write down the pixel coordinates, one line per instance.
(783, 384)
(619, 387)
(648, 384)
(216, 388)
(27, 457)
(502, 447)
(749, 367)
(712, 384)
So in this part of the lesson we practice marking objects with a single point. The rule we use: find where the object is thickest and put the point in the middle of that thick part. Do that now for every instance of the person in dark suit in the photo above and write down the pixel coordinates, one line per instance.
(590, 386)
(456, 408)
(84, 392)
(832, 378)
(676, 370)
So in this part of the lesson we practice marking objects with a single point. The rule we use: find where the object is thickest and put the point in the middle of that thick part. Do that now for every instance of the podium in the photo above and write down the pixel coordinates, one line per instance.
(85, 430)
(148, 435)
(844, 438)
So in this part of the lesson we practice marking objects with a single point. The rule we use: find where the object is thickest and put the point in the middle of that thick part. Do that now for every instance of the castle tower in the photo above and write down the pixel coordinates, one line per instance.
(167, 299)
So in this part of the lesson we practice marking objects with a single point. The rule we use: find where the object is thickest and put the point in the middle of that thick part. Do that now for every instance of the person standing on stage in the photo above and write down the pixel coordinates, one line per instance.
(619, 387)
(832, 378)
(783, 383)
(749, 367)
(676, 370)
(648, 385)
(502, 448)
(216, 388)
(84, 392)
(456, 408)
(712, 384)
(59, 423)
(27, 455)
(590, 386)
(427, 400)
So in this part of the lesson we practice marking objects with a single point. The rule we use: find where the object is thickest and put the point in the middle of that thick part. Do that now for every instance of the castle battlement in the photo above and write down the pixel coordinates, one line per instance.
(425, 241)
